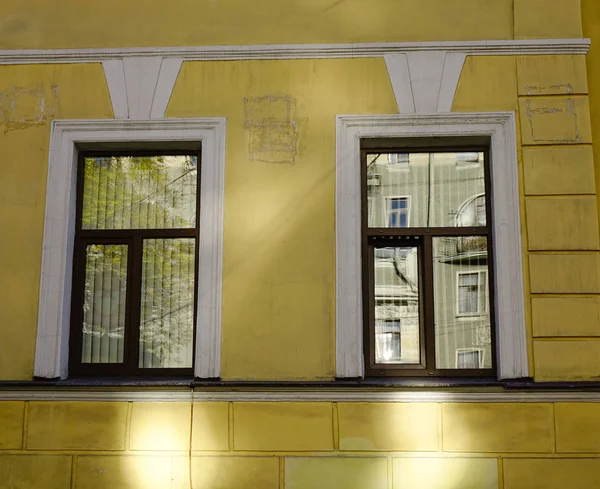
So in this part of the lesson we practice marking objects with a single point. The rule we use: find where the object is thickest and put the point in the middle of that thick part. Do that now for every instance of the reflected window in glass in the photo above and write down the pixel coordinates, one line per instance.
(427, 262)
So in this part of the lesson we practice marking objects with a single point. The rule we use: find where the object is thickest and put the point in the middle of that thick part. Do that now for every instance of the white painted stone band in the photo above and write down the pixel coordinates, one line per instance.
(297, 51)
(297, 395)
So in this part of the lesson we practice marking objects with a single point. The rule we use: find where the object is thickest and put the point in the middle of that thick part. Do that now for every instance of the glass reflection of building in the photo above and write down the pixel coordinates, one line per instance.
(429, 190)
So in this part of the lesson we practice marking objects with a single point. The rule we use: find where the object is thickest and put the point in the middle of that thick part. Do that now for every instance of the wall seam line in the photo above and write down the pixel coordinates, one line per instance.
(73, 471)
(191, 443)
(128, 426)
(281, 472)
(555, 441)
(25, 430)
(230, 427)
(336, 427)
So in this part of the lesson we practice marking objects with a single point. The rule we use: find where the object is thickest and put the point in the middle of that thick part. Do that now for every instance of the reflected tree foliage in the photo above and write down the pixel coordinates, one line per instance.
(132, 193)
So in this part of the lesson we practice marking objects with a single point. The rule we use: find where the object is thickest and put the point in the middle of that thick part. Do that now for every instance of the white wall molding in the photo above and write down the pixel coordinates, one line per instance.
(51, 360)
(297, 51)
(510, 307)
(426, 69)
(453, 65)
(114, 72)
(140, 87)
(297, 395)
(399, 73)
(167, 76)
(424, 82)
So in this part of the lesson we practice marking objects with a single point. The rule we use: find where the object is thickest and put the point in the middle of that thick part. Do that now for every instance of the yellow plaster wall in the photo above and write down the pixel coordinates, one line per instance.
(299, 445)
(591, 29)
(561, 216)
(558, 198)
(114, 23)
(30, 97)
(39, 24)
(278, 295)
(556, 19)
(279, 274)
(279, 235)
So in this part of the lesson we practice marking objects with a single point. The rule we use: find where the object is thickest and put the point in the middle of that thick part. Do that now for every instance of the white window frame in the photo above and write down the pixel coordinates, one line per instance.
(511, 339)
(52, 347)
(481, 275)
(480, 352)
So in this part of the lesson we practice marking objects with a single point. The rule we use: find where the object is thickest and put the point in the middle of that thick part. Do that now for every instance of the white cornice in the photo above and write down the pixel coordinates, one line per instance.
(297, 395)
(297, 51)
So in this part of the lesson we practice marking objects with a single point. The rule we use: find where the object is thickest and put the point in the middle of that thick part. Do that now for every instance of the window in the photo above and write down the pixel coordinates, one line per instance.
(469, 358)
(398, 160)
(472, 213)
(383, 134)
(472, 300)
(67, 139)
(425, 278)
(397, 212)
(133, 308)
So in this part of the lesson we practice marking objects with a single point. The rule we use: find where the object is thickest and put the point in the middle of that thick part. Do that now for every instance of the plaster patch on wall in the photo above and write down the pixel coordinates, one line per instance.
(567, 89)
(273, 129)
(21, 108)
(556, 124)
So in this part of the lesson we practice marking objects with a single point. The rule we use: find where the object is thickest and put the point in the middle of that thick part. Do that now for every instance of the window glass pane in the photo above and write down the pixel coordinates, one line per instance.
(468, 293)
(145, 192)
(104, 303)
(397, 211)
(396, 305)
(468, 358)
(435, 189)
(461, 302)
(167, 303)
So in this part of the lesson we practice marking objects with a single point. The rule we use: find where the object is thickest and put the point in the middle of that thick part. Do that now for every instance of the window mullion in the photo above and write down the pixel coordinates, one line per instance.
(369, 298)
(134, 308)
(75, 339)
(428, 304)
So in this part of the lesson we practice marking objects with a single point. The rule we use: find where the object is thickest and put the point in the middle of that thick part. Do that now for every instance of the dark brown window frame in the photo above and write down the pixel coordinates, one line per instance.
(422, 239)
(134, 239)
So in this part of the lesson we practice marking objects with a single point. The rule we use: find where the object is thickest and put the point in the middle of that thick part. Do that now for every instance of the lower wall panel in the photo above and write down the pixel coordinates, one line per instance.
(299, 445)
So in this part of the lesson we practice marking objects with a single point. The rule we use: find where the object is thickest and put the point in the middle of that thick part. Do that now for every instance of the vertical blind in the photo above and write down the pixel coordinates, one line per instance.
(104, 303)
(167, 304)
(140, 193)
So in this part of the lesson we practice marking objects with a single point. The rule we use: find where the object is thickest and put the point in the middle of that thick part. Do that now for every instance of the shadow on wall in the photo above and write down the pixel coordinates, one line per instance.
(279, 252)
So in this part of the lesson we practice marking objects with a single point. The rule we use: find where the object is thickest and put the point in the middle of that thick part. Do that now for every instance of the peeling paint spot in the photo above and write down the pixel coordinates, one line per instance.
(553, 124)
(567, 89)
(273, 129)
(21, 108)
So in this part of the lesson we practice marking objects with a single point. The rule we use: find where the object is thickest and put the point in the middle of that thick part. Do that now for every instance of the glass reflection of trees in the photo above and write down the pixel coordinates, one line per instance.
(129, 193)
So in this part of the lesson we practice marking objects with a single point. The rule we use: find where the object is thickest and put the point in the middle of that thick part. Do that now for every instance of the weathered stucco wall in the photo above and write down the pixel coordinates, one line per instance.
(279, 248)
(30, 97)
(304, 445)
(38, 24)
(279, 257)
